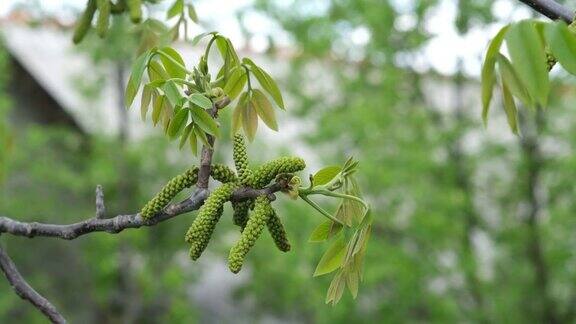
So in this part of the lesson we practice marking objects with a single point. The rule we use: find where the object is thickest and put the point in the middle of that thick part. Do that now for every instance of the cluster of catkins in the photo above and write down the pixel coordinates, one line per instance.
(250, 215)
(105, 9)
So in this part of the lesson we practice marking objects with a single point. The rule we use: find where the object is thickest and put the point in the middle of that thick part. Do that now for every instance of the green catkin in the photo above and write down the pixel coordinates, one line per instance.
(104, 7)
(83, 24)
(240, 156)
(277, 231)
(135, 10)
(169, 191)
(240, 216)
(203, 226)
(252, 231)
(222, 173)
(268, 171)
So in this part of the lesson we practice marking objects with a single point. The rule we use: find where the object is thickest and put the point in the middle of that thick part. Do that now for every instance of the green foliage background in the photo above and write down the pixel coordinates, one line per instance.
(453, 238)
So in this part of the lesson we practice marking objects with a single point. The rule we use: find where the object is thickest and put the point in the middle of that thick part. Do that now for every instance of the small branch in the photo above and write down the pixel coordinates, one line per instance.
(100, 207)
(551, 9)
(25, 291)
(121, 222)
(206, 156)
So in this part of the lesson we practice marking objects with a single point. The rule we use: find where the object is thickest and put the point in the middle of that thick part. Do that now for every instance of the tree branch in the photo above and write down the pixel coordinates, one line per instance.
(25, 291)
(121, 222)
(551, 9)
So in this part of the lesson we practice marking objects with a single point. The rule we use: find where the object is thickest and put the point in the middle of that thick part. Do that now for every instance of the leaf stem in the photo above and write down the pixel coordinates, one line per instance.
(320, 209)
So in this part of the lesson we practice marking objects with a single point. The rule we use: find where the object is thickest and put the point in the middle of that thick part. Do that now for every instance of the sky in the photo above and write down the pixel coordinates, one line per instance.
(441, 54)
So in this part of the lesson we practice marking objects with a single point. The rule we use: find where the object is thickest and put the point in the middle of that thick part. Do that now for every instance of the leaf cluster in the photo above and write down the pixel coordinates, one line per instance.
(523, 76)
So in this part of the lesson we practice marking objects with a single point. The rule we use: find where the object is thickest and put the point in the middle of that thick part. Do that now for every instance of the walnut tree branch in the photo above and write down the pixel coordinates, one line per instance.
(121, 222)
(551, 9)
(25, 291)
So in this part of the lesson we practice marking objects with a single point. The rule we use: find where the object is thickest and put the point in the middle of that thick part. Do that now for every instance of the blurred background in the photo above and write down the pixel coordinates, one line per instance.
(472, 224)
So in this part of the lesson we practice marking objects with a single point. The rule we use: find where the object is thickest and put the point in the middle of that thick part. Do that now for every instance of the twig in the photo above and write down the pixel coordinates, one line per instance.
(121, 222)
(206, 156)
(100, 207)
(25, 291)
(551, 9)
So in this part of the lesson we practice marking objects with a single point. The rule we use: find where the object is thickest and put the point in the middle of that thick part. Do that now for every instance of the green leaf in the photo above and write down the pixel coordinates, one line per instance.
(194, 141)
(200, 101)
(157, 109)
(332, 259)
(201, 135)
(145, 101)
(236, 82)
(325, 175)
(185, 135)
(238, 113)
(204, 121)
(178, 122)
(266, 82)
(352, 279)
(510, 108)
(156, 71)
(510, 77)
(250, 120)
(136, 77)
(528, 59)
(487, 77)
(336, 289)
(324, 231)
(562, 43)
(173, 69)
(176, 9)
(199, 37)
(264, 109)
(172, 93)
(192, 13)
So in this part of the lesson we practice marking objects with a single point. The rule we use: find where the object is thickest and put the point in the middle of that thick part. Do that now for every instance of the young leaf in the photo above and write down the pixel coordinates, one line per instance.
(200, 101)
(264, 109)
(510, 108)
(136, 77)
(204, 121)
(266, 82)
(528, 59)
(172, 93)
(488, 78)
(185, 135)
(194, 141)
(250, 120)
(176, 9)
(324, 231)
(238, 113)
(157, 109)
(201, 135)
(192, 13)
(332, 259)
(324, 175)
(156, 71)
(236, 82)
(336, 289)
(198, 37)
(352, 282)
(173, 69)
(145, 101)
(178, 122)
(510, 77)
(562, 43)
